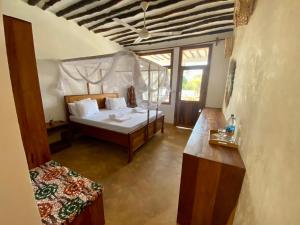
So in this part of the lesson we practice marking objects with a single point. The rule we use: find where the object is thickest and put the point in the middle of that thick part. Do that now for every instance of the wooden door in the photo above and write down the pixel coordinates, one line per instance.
(192, 85)
(26, 90)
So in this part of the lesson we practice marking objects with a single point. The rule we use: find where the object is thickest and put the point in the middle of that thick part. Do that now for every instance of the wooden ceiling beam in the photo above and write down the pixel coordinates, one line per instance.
(49, 4)
(196, 13)
(174, 23)
(101, 8)
(184, 32)
(199, 54)
(109, 17)
(186, 56)
(74, 7)
(165, 57)
(201, 22)
(192, 53)
(174, 11)
(33, 2)
(180, 38)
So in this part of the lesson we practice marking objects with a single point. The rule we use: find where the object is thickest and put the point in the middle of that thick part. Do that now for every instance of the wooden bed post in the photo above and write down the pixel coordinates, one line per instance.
(101, 87)
(163, 125)
(130, 149)
(157, 99)
(148, 111)
(88, 87)
(87, 83)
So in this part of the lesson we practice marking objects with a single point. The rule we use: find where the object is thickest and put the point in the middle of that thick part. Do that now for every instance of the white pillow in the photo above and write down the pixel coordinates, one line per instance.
(115, 103)
(87, 108)
(122, 103)
(73, 109)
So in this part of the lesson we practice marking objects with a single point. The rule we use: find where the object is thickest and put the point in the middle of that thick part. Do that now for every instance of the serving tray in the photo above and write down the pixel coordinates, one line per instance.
(216, 138)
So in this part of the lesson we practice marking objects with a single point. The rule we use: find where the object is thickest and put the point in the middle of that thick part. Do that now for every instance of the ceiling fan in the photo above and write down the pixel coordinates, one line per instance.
(143, 33)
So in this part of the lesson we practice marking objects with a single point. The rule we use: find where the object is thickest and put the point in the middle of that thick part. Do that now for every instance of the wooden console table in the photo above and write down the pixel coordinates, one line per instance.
(211, 178)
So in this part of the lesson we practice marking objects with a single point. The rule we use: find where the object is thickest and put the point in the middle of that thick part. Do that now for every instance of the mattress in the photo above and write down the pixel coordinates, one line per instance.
(102, 120)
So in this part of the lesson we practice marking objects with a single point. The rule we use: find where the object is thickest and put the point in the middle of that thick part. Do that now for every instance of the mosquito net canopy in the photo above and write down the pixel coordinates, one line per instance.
(115, 73)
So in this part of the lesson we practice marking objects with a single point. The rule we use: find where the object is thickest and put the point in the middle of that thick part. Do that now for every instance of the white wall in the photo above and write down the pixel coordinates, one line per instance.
(54, 39)
(217, 74)
(217, 77)
(17, 204)
(266, 102)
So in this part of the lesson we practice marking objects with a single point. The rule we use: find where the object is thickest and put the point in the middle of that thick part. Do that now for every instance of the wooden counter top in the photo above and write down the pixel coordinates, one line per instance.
(211, 177)
(198, 145)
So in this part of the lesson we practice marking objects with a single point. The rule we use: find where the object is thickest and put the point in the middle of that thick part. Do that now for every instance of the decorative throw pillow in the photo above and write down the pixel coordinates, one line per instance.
(116, 103)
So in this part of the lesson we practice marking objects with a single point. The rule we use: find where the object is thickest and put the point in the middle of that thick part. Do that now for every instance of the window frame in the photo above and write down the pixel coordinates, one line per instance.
(171, 51)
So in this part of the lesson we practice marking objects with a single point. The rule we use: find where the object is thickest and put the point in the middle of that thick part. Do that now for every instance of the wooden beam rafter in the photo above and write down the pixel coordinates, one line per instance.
(179, 38)
(172, 24)
(33, 2)
(108, 18)
(192, 53)
(105, 6)
(186, 56)
(195, 30)
(165, 56)
(201, 22)
(174, 11)
(74, 7)
(199, 53)
(49, 3)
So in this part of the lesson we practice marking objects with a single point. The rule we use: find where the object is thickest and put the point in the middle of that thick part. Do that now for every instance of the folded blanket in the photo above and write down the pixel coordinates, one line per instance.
(119, 117)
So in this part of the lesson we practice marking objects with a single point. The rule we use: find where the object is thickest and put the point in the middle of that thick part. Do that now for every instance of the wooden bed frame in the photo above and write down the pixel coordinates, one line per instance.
(131, 141)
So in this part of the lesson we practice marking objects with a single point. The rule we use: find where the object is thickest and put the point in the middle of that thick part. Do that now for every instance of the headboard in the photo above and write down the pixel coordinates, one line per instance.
(99, 97)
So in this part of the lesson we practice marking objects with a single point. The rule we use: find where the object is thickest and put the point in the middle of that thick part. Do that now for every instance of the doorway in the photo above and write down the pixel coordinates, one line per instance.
(192, 84)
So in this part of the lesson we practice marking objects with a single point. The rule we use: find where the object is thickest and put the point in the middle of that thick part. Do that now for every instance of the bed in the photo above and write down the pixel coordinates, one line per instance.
(131, 134)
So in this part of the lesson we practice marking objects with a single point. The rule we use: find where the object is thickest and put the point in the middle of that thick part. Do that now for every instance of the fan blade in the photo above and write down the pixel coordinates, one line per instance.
(121, 22)
(157, 34)
(138, 40)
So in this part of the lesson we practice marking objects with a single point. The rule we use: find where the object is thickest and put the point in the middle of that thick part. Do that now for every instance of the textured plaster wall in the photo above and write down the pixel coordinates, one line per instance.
(266, 101)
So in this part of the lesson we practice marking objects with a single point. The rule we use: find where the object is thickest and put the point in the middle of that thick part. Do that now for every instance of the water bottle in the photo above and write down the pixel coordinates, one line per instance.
(231, 125)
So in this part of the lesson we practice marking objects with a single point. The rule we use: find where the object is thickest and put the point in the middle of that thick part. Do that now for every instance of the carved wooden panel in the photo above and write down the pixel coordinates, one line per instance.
(243, 11)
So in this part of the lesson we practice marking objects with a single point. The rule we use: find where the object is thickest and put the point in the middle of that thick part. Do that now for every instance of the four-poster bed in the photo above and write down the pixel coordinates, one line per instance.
(131, 140)
(121, 70)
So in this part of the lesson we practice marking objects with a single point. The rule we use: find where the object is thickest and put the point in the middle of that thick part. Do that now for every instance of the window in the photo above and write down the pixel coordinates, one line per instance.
(193, 63)
(195, 57)
(163, 58)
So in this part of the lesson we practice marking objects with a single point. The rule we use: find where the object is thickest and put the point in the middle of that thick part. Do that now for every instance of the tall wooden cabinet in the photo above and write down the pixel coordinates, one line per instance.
(211, 177)
(26, 90)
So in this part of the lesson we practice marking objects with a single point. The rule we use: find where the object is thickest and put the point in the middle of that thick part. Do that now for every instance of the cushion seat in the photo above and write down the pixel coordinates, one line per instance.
(61, 194)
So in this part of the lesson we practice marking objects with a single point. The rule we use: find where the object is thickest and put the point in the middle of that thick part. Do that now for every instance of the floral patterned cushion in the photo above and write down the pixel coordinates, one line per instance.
(60, 193)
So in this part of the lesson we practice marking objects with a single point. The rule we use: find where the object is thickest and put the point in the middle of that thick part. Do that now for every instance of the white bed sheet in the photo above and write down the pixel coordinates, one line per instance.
(102, 120)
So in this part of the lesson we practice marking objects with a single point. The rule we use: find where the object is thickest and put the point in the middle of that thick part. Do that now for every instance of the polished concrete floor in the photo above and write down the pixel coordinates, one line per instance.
(144, 192)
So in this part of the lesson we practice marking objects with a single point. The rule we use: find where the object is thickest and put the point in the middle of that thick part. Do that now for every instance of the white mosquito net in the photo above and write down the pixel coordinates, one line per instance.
(115, 73)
